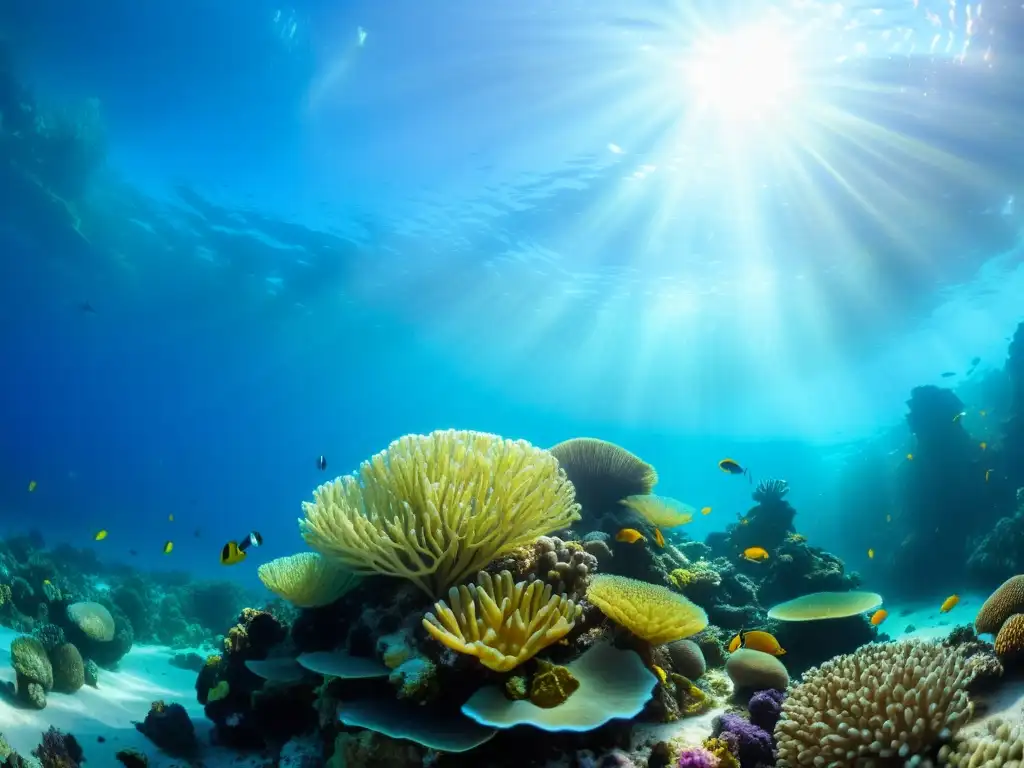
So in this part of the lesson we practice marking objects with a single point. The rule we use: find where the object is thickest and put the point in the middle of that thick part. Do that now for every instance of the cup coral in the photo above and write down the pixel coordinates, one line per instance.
(436, 508)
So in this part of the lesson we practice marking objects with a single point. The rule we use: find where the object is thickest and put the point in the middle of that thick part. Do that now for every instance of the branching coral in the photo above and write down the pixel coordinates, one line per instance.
(501, 623)
(436, 508)
(897, 700)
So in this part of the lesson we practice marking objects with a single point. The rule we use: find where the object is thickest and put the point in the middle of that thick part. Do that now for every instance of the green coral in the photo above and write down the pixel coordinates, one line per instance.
(700, 573)
(219, 691)
(552, 685)
(68, 668)
(415, 678)
(517, 688)
(33, 671)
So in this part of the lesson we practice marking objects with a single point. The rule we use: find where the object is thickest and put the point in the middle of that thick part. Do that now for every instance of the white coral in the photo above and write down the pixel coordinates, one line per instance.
(885, 702)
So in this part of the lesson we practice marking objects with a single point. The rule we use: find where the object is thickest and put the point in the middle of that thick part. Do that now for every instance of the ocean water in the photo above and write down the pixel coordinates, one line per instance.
(239, 237)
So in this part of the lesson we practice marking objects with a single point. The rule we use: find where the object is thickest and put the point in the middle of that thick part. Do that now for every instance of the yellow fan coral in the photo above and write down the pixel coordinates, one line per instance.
(307, 580)
(501, 623)
(650, 611)
(436, 508)
(660, 511)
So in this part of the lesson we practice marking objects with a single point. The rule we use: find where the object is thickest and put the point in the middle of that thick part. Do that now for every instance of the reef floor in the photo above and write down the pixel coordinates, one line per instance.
(144, 676)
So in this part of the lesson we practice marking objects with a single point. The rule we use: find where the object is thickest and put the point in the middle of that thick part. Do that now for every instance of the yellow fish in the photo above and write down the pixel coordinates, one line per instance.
(871, 554)
(949, 604)
(888, 518)
(100, 535)
(983, 445)
(756, 640)
(879, 616)
(706, 511)
(170, 517)
(910, 457)
(660, 673)
(630, 536)
(988, 473)
(658, 538)
(168, 546)
(31, 485)
(755, 554)
(47, 582)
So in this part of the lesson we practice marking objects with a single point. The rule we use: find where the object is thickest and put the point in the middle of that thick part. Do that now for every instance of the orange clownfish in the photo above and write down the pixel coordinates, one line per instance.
(630, 536)
(756, 640)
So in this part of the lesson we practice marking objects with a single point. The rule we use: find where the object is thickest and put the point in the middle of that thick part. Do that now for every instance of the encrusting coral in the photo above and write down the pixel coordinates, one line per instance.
(501, 623)
(889, 701)
(436, 508)
(651, 612)
(307, 580)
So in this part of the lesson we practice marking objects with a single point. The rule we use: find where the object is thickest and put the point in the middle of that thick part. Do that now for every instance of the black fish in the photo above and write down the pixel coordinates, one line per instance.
(85, 306)
(947, 374)
(321, 463)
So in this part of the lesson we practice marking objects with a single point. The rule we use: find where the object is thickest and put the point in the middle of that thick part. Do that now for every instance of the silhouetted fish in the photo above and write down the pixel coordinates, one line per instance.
(85, 306)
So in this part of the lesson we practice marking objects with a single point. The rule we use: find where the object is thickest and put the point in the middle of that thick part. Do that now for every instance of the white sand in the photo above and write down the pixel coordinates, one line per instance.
(928, 623)
(144, 676)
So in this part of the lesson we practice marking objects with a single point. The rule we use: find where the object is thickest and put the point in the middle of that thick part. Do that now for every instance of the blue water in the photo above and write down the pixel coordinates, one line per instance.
(317, 227)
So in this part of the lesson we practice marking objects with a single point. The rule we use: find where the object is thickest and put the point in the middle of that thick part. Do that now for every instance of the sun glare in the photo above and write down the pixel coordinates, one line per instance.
(746, 75)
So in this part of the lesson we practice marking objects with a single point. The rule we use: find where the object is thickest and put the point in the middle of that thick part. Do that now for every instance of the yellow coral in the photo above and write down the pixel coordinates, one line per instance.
(307, 580)
(691, 699)
(501, 623)
(436, 508)
(720, 749)
(213, 660)
(552, 685)
(649, 611)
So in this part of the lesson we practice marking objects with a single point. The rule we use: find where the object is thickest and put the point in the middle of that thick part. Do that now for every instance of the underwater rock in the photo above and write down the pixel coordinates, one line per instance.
(59, 750)
(170, 728)
(756, 670)
(999, 554)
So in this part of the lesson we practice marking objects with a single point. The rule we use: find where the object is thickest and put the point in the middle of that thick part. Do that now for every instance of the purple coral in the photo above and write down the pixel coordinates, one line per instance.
(765, 707)
(697, 757)
(751, 744)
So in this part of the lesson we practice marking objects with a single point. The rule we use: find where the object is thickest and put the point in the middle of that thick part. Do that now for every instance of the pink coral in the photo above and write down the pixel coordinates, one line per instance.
(697, 757)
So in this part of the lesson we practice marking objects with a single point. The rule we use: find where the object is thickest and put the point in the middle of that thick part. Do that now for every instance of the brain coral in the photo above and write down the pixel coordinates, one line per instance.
(68, 668)
(886, 702)
(650, 611)
(1010, 639)
(436, 508)
(1007, 600)
(748, 668)
(93, 619)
